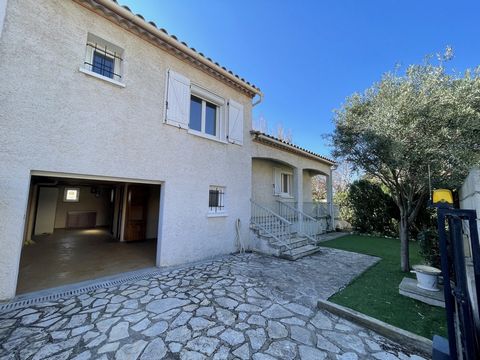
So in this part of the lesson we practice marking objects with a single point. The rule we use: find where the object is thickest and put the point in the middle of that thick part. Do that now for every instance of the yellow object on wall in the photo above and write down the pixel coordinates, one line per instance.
(442, 196)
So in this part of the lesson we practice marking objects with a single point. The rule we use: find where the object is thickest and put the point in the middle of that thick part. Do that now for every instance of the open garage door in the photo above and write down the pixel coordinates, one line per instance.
(81, 229)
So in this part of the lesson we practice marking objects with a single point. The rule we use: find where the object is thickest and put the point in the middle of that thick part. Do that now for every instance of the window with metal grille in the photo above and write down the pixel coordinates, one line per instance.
(103, 64)
(216, 199)
(103, 58)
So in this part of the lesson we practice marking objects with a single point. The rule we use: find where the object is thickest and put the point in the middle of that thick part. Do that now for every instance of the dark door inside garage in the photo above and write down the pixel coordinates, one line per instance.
(136, 213)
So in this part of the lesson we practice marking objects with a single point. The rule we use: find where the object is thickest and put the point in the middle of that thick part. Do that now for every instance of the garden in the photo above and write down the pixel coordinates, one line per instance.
(375, 292)
(413, 131)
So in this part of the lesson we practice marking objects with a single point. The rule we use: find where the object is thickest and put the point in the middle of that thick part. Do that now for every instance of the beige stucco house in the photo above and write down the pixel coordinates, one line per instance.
(123, 148)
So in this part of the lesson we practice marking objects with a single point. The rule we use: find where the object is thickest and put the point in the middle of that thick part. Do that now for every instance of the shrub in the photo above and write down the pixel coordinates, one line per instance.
(373, 210)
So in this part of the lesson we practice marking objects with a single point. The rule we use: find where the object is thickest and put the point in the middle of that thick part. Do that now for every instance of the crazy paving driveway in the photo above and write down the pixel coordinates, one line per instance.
(241, 306)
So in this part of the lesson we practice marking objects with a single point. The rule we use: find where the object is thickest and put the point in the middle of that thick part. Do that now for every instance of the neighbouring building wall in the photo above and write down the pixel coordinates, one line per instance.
(60, 120)
(470, 199)
(470, 193)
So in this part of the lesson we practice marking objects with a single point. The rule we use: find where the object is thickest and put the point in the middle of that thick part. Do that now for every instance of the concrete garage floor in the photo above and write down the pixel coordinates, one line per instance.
(70, 256)
(220, 309)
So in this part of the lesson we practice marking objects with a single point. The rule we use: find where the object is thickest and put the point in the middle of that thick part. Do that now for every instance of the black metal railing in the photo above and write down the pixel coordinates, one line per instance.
(104, 61)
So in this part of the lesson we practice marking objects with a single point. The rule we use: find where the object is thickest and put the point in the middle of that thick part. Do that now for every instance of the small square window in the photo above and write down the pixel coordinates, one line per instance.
(103, 64)
(71, 195)
(103, 58)
(216, 199)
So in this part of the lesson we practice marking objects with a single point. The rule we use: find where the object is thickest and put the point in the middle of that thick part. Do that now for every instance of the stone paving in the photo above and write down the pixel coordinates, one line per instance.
(236, 307)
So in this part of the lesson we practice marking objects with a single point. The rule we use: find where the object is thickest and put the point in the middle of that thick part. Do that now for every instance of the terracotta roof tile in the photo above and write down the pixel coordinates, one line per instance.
(286, 143)
(185, 44)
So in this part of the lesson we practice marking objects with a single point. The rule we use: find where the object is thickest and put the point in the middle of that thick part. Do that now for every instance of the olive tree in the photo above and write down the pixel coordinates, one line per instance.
(396, 129)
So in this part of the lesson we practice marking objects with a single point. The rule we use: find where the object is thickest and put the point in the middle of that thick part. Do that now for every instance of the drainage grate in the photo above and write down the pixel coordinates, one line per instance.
(55, 294)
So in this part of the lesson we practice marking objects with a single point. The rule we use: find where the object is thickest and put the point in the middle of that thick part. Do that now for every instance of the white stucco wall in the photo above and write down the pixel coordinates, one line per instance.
(470, 193)
(266, 158)
(55, 118)
(263, 182)
(3, 10)
(262, 151)
(307, 185)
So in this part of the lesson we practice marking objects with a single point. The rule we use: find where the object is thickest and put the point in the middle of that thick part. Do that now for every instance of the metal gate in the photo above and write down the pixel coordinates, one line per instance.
(460, 257)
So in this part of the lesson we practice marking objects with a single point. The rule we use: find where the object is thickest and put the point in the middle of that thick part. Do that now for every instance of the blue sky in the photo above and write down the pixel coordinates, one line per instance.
(308, 56)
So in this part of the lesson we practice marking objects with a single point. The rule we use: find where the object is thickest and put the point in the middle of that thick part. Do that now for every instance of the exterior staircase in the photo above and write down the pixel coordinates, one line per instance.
(291, 237)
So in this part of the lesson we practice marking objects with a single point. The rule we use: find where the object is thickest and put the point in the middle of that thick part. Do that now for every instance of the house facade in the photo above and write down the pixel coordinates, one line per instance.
(108, 122)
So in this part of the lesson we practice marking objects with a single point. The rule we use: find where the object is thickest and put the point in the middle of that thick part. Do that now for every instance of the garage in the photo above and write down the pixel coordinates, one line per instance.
(83, 228)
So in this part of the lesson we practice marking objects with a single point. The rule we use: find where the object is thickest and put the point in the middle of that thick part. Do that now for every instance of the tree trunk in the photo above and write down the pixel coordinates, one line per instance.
(404, 251)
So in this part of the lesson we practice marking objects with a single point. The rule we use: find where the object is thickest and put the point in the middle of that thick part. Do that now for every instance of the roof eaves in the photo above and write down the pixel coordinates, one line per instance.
(172, 40)
(263, 136)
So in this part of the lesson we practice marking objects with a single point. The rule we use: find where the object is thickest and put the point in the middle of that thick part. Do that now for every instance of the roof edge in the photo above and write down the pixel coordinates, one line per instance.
(150, 27)
(258, 135)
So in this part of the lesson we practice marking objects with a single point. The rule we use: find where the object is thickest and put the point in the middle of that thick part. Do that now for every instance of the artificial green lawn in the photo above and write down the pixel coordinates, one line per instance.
(375, 292)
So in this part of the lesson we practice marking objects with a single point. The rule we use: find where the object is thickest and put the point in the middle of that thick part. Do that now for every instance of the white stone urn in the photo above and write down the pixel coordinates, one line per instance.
(427, 277)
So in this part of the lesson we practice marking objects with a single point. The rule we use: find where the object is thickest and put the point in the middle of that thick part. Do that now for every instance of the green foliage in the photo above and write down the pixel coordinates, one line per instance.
(340, 198)
(405, 124)
(402, 124)
(429, 247)
(375, 292)
(373, 211)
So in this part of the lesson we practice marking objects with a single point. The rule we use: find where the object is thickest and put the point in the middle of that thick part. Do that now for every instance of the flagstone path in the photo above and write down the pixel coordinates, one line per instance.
(237, 307)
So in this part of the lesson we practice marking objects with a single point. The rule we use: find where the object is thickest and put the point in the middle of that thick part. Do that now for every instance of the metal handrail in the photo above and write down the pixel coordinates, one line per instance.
(271, 212)
(296, 210)
(272, 224)
(308, 226)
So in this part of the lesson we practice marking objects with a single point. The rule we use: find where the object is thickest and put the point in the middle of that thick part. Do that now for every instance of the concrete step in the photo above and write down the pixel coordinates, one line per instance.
(295, 243)
(300, 252)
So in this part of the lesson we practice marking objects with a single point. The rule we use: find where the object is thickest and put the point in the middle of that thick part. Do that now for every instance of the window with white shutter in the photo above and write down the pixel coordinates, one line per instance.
(235, 122)
(206, 114)
(178, 100)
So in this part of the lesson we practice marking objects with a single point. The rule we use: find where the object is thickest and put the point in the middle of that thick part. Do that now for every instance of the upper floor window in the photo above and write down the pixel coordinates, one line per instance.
(203, 116)
(103, 59)
(202, 112)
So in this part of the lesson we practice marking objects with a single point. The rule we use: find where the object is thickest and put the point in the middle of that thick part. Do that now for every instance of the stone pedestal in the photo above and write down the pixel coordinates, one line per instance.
(408, 287)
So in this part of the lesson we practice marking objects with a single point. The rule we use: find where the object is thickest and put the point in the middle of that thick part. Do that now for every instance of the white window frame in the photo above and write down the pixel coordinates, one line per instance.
(219, 102)
(221, 210)
(101, 44)
(279, 186)
(65, 192)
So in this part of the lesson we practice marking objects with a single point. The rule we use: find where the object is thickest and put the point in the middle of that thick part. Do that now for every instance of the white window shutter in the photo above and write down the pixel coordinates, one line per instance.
(277, 181)
(235, 122)
(178, 100)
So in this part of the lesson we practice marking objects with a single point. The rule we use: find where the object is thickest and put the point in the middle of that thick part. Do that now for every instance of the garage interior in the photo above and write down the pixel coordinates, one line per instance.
(82, 229)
